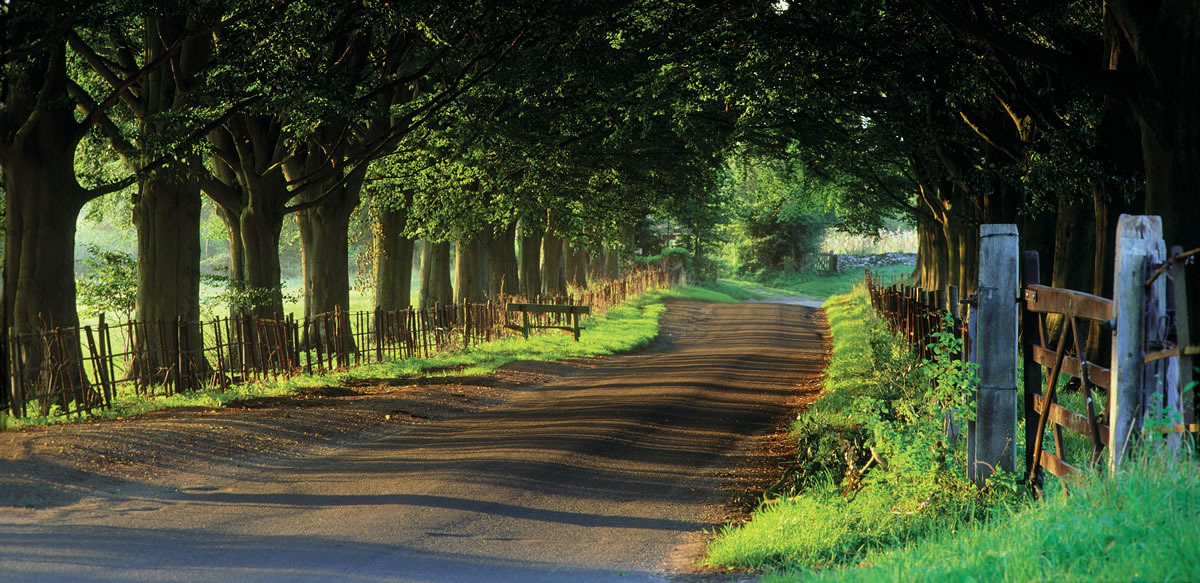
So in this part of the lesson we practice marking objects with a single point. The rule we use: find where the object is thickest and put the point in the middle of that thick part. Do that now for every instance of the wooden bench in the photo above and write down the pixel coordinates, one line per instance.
(574, 311)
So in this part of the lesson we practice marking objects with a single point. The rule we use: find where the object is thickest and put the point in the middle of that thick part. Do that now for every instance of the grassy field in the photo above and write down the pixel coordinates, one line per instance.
(1140, 525)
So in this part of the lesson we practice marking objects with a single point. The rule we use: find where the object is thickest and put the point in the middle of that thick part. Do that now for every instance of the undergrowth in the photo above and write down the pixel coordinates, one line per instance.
(623, 328)
(874, 469)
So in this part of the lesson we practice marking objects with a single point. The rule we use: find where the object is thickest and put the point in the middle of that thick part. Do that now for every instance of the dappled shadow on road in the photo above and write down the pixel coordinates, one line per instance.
(383, 501)
(617, 451)
(97, 553)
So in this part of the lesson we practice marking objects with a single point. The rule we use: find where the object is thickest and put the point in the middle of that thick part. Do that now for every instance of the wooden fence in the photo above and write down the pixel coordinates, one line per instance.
(1145, 387)
(825, 263)
(74, 370)
(915, 314)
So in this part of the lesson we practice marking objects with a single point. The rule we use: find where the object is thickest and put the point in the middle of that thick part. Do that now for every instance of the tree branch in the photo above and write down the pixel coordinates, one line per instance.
(101, 68)
(1109, 83)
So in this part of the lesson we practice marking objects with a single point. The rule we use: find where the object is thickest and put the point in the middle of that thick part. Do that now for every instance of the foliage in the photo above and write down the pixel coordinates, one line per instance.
(704, 269)
(873, 472)
(777, 222)
(814, 285)
(238, 297)
(109, 283)
(908, 433)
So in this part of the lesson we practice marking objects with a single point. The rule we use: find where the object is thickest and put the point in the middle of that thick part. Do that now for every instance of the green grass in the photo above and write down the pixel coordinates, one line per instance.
(622, 329)
(1140, 525)
(814, 285)
(817, 526)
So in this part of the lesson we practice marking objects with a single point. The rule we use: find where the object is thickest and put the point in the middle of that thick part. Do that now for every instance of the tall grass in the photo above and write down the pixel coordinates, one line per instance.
(887, 241)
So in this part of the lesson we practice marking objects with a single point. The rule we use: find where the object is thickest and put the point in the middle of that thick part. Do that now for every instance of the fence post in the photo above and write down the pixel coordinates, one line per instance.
(995, 429)
(1183, 337)
(1032, 373)
(1137, 238)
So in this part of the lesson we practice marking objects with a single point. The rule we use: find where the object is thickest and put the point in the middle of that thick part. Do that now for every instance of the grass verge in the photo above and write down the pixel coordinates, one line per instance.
(841, 507)
(1138, 525)
(624, 328)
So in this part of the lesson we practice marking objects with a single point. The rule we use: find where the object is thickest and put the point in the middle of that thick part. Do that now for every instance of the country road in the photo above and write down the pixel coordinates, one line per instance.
(609, 472)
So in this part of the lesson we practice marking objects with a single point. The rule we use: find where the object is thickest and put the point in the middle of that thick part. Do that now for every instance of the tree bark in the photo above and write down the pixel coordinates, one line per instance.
(502, 263)
(574, 265)
(324, 244)
(553, 282)
(530, 261)
(393, 261)
(612, 263)
(435, 275)
(43, 200)
(166, 208)
(260, 243)
(470, 270)
(166, 214)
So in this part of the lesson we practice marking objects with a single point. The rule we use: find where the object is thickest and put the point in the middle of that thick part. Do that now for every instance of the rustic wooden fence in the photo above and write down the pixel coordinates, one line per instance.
(825, 263)
(74, 370)
(915, 314)
(1146, 387)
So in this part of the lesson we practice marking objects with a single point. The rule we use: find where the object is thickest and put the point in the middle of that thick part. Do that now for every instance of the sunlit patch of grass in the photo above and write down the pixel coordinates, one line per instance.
(816, 285)
(1140, 524)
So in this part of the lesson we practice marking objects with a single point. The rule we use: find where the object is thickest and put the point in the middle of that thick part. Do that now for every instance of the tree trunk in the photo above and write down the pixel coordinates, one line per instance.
(530, 262)
(951, 264)
(393, 261)
(435, 275)
(324, 242)
(1163, 42)
(503, 263)
(470, 270)
(260, 243)
(1072, 262)
(166, 214)
(574, 265)
(43, 200)
(166, 209)
(553, 281)
(612, 263)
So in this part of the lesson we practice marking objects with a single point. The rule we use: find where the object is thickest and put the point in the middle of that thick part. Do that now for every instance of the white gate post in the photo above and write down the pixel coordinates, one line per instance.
(995, 428)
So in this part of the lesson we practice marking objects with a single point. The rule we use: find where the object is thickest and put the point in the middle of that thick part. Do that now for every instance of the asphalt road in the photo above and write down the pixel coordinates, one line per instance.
(605, 475)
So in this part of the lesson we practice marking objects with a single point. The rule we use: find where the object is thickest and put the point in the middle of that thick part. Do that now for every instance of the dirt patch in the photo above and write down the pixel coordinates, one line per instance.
(55, 466)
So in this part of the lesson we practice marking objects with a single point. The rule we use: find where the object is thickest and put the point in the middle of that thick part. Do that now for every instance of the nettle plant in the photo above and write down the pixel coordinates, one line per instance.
(909, 433)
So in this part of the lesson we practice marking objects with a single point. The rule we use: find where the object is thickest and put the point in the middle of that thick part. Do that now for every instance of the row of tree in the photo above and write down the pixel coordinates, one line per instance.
(1056, 116)
(552, 127)
(470, 123)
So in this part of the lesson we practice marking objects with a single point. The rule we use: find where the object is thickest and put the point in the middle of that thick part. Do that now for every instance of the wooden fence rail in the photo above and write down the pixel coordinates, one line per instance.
(74, 370)
(1145, 388)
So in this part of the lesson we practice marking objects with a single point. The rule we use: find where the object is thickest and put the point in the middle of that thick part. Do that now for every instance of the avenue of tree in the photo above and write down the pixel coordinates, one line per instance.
(531, 136)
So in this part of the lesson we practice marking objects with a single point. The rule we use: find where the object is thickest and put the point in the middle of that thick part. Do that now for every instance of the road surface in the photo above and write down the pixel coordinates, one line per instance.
(606, 474)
